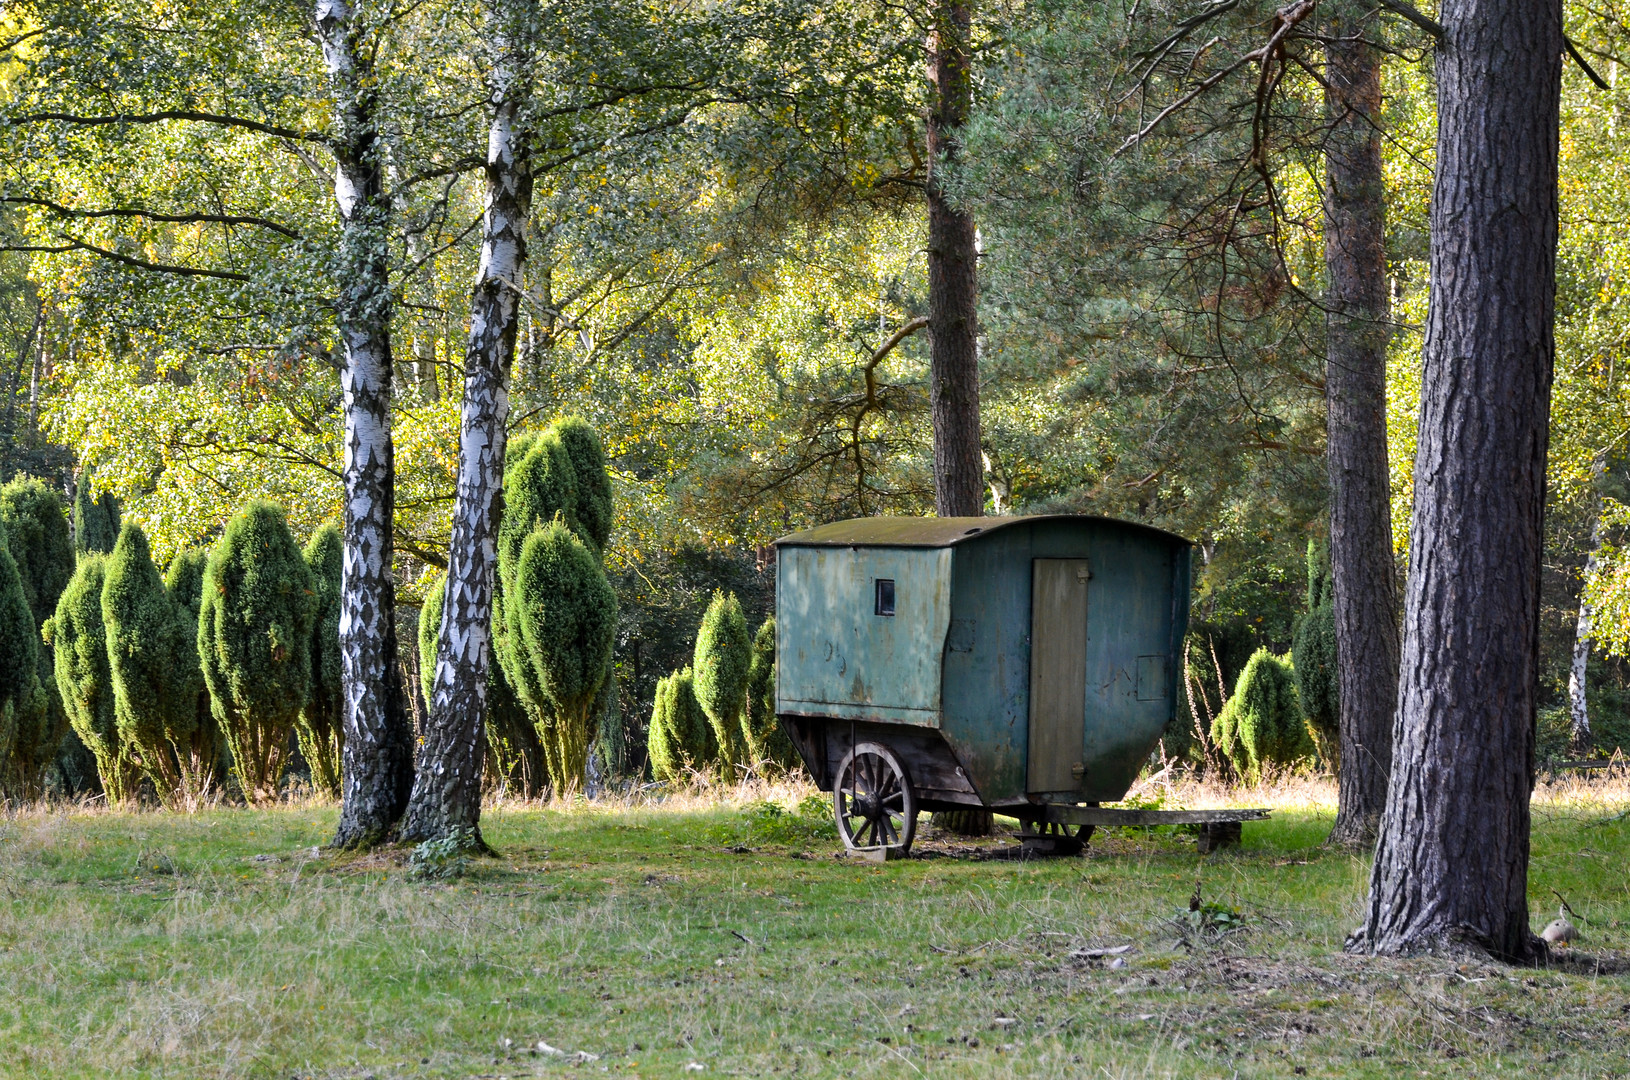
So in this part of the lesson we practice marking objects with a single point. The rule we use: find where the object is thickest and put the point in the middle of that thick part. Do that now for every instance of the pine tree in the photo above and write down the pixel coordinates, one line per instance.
(724, 654)
(566, 615)
(84, 679)
(254, 639)
(321, 725)
(96, 521)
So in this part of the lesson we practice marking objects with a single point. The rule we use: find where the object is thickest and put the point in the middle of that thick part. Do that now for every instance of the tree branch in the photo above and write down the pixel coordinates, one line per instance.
(1590, 72)
(177, 114)
(73, 244)
(179, 219)
(1414, 15)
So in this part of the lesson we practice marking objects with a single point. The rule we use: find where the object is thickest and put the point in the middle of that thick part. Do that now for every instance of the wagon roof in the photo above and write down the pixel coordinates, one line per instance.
(935, 532)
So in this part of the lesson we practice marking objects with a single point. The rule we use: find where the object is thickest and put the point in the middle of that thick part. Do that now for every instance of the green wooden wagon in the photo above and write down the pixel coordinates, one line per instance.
(1027, 665)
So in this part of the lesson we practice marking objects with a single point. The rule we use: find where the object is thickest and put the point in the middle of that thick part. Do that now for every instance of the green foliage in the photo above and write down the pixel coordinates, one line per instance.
(154, 668)
(84, 678)
(36, 531)
(567, 617)
(593, 506)
(1262, 723)
(514, 756)
(1318, 686)
(254, 639)
(96, 521)
(680, 737)
(321, 725)
(766, 741)
(24, 709)
(185, 578)
(723, 659)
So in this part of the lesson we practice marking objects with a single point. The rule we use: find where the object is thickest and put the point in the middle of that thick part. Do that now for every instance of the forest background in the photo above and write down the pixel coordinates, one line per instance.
(728, 226)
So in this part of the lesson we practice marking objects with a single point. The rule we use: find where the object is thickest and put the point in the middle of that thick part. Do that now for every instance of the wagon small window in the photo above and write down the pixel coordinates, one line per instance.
(885, 596)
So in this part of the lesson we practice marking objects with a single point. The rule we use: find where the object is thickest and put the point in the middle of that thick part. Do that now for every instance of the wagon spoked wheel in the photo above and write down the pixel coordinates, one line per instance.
(873, 800)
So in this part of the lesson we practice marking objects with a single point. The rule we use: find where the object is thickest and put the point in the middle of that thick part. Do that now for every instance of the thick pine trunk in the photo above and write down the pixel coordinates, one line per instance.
(1366, 592)
(953, 278)
(1451, 867)
(378, 743)
(447, 790)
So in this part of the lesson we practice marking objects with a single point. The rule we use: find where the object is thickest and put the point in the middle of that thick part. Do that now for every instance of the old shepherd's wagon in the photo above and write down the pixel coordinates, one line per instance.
(1024, 664)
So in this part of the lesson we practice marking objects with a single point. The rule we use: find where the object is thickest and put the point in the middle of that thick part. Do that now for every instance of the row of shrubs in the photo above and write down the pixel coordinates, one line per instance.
(719, 713)
(172, 678)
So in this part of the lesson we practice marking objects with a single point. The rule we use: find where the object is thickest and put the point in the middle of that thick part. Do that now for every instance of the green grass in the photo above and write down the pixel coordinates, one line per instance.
(218, 944)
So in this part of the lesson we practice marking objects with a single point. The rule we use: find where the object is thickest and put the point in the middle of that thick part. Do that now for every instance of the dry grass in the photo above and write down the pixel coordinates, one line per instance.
(219, 944)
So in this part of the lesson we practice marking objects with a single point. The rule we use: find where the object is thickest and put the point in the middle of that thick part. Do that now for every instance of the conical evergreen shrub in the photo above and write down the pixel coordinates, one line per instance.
(680, 737)
(22, 701)
(766, 741)
(593, 507)
(723, 656)
(96, 521)
(206, 752)
(1313, 652)
(321, 725)
(567, 617)
(84, 677)
(514, 757)
(254, 639)
(153, 696)
(37, 535)
(1262, 722)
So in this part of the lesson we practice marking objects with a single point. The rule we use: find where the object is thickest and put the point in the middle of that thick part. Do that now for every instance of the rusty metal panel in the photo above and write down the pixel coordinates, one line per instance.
(1058, 672)
(840, 653)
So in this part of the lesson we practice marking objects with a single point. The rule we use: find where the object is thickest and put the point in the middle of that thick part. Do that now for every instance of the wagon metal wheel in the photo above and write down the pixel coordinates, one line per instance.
(873, 800)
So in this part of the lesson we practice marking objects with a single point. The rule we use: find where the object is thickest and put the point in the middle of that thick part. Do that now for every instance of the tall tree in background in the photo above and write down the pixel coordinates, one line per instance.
(447, 789)
(1451, 867)
(953, 273)
(378, 741)
(1356, 331)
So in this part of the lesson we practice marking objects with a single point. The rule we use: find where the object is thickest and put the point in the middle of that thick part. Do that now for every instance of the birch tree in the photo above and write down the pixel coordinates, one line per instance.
(447, 791)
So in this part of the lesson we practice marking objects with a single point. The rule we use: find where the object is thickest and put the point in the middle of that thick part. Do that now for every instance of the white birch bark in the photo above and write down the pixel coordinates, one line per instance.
(377, 765)
(1578, 707)
(447, 790)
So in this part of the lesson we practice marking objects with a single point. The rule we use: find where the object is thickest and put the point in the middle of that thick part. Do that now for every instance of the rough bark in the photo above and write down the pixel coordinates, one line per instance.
(447, 790)
(1451, 866)
(1366, 592)
(953, 277)
(378, 767)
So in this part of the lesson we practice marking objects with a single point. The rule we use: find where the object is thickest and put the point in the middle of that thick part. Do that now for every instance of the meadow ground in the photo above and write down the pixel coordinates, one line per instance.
(718, 934)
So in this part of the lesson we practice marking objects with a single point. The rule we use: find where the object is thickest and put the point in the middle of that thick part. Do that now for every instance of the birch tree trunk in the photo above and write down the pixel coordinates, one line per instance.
(1451, 866)
(953, 277)
(378, 769)
(1366, 593)
(1578, 704)
(447, 790)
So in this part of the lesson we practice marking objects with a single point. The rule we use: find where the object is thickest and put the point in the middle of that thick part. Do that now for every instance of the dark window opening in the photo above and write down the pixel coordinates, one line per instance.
(885, 596)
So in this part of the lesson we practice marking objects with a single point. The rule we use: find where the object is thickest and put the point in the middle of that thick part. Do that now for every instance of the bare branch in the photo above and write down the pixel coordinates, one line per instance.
(1590, 72)
(74, 244)
(1414, 15)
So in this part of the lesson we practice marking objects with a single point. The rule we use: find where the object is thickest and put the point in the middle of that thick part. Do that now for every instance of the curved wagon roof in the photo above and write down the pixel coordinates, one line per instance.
(937, 532)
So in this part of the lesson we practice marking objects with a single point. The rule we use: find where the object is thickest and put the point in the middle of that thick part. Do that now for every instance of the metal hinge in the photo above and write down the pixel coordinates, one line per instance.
(1078, 770)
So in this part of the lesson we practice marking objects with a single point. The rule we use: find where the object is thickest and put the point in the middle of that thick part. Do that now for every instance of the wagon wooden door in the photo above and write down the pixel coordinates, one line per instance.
(1058, 673)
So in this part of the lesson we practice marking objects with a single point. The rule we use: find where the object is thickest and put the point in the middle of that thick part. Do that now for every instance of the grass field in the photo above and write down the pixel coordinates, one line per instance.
(723, 937)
